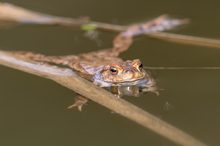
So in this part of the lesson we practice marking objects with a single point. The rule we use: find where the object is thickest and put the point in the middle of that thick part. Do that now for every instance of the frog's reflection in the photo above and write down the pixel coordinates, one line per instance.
(143, 86)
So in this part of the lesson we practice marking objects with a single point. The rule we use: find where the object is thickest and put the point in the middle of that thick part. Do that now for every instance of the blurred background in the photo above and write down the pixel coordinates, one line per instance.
(34, 110)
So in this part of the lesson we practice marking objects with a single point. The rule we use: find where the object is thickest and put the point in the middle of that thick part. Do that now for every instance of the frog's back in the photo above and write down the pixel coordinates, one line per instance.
(80, 63)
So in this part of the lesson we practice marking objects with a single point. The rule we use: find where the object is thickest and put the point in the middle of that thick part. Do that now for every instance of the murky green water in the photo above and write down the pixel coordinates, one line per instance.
(33, 110)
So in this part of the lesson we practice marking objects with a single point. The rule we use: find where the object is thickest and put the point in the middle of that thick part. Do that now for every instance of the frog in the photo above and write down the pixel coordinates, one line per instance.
(105, 68)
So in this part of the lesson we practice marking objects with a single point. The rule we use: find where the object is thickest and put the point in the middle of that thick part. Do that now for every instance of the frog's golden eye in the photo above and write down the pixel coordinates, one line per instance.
(113, 70)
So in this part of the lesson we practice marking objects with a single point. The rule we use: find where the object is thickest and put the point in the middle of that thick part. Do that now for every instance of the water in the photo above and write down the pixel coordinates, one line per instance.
(33, 110)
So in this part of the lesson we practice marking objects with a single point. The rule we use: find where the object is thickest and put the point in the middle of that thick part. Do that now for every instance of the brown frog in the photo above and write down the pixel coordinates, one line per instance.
(105, 69)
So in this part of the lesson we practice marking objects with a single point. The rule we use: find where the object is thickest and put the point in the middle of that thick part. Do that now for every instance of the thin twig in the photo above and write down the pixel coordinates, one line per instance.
(186, 39)
(69, 79)
(183, 68)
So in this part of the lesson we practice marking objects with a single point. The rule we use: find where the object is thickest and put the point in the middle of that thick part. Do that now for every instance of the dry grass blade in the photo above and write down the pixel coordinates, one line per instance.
(185, 39)
(13, 14)
(69, 79)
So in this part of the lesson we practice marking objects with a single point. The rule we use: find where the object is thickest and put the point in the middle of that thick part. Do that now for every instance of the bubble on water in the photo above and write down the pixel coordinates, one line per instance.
(167, 106)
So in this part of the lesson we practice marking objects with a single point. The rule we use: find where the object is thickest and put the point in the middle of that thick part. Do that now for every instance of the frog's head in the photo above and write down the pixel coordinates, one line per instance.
(118, 73)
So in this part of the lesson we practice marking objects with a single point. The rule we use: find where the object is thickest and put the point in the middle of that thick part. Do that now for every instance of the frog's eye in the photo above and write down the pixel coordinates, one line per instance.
(141, 66)
(113, 70)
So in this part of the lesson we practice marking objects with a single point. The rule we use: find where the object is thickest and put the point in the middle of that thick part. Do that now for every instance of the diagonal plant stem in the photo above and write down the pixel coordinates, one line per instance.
(69, 79)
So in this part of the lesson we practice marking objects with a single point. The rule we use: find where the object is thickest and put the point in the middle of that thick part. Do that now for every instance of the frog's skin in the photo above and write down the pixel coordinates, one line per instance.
(117, 74)
(105, 69)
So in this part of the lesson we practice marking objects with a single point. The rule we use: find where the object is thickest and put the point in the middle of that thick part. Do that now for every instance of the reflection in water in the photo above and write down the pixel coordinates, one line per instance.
(136, 89)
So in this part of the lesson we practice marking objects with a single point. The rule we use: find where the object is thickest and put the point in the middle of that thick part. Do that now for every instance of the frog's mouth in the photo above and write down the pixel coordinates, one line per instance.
(136, 82)
(126, 81)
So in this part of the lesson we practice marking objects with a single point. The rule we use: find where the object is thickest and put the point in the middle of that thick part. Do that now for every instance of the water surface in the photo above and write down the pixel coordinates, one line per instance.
(33, 110)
